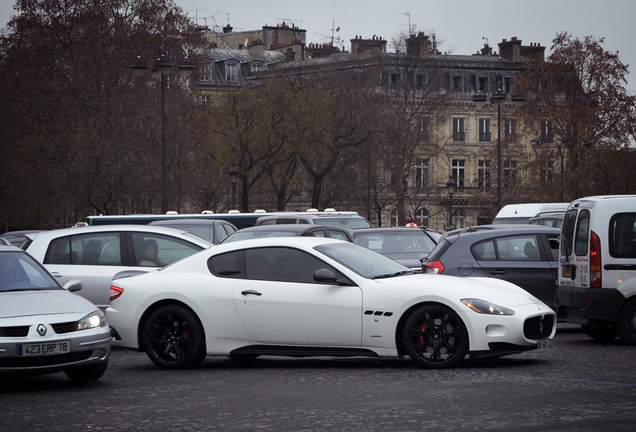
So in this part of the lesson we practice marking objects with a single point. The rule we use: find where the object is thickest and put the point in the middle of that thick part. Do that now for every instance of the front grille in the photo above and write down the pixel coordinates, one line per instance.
(45, 360)
(66, 327)
(538, 327)
(15, 331)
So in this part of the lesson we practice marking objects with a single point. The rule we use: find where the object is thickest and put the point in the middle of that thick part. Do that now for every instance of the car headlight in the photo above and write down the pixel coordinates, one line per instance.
(93, 320)
(485, 307)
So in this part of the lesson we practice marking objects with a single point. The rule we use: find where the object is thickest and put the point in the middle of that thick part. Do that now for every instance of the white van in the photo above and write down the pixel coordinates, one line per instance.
(597, 266)
(521, 213)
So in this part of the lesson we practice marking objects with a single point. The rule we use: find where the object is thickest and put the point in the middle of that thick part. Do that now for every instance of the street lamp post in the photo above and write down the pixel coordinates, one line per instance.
(233, 173)
(497, 99)
(160, 68)
(451, 186)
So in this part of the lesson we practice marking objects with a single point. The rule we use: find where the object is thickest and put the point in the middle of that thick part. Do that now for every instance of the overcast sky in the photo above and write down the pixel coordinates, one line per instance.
(461, 25)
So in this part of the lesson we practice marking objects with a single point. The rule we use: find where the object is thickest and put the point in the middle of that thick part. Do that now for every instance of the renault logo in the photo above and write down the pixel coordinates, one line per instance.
(41, 329)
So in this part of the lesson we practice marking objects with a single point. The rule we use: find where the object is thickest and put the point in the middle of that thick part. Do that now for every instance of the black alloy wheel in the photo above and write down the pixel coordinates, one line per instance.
(435, 337)
(626, 323)
(173, 338)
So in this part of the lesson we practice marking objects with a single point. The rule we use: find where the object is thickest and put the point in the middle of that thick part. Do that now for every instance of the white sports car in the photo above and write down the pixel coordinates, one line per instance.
(306, 296)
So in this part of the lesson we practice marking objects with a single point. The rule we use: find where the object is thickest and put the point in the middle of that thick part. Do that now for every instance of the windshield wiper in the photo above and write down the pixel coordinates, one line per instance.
(388, 275)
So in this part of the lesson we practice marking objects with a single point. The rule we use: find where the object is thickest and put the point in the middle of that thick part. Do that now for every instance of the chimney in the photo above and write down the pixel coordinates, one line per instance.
(228, 29)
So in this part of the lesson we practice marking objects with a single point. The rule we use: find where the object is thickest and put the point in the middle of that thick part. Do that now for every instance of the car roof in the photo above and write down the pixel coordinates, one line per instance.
(292, 241)
(48, 235)
(504, 229)
(10, 248)
(381, 230)
(170, 222)
(292, 228)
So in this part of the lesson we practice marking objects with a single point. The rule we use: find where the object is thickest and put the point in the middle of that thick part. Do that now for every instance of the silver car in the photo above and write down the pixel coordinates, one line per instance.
(44, 328)
(95, 254)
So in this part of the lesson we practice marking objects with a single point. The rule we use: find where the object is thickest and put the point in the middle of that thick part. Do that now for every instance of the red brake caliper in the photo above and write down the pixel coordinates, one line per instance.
(423, 328)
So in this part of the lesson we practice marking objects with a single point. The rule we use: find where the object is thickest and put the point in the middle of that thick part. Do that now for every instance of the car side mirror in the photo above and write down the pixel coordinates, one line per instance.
(73, 285)
(324, 275)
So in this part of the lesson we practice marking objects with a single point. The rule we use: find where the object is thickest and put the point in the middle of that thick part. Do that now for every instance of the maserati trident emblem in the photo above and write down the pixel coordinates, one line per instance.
(41, 329)
(541, 326)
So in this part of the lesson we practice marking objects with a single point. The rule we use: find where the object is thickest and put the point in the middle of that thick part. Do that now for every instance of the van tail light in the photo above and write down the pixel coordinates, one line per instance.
(115, 292)
(595, 261)
(435, 267)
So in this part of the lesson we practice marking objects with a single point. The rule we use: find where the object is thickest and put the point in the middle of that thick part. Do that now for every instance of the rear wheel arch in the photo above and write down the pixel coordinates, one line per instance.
(151, 309)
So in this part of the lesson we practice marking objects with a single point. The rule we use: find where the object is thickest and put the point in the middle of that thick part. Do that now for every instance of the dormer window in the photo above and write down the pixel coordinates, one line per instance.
(231, 72)
(256, 67)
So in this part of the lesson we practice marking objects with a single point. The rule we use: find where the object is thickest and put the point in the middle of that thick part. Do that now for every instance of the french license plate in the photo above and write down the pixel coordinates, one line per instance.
(43, 349)
(542, 344)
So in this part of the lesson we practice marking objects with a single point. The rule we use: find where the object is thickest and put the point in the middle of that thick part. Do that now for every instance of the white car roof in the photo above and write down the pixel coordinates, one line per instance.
(48, 235)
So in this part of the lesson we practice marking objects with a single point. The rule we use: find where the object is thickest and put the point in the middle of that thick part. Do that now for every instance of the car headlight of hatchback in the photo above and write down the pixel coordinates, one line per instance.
(93, 320)
(486, 307)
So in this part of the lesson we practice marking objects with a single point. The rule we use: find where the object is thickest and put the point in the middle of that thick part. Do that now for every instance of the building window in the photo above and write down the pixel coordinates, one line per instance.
(457, 82)
(207, 72)
(422, 128)
(394, 80)
(485, 133)
(459, 172)
(420, 81)
(482, 84)
(546, 131)
(507, 84)
(510, 130)
(459, 129)
(547, 173)
(422, 173)
(231, 72)
(421, 217)
(510, 172)
(256, 67)
(459, 218)
(483, 175)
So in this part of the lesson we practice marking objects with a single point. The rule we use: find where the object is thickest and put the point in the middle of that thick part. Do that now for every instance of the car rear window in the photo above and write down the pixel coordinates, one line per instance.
(438, 250)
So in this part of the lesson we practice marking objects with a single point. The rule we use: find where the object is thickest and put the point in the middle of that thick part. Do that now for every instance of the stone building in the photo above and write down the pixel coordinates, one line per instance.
(462, 142)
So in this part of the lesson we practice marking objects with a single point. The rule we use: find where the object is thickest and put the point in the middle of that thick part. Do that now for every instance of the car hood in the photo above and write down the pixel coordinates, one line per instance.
(493, 290)
(28, 303)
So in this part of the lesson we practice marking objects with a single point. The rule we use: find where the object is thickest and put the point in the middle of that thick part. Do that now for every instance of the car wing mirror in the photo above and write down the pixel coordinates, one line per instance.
(73, 285)
(326, 276)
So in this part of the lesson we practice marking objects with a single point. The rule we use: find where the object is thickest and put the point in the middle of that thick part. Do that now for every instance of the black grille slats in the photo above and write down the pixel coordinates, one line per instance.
(538, 327)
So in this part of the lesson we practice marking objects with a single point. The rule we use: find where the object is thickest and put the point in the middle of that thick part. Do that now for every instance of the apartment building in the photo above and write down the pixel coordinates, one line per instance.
(463, 140)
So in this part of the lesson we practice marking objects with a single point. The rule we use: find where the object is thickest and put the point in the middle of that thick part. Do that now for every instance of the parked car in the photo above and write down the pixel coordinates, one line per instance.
(597, 283)
(290, 230)
(524, 254)
(95, 254)
(521, 213)
(349, 220)
(212, 230)
(548, 219)
(406, 245)
(305, 296)
(45, 328)
(16, 238)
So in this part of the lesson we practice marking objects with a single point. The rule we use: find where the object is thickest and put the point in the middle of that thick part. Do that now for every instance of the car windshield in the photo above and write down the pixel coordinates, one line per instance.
(364, 262)
(20, 272)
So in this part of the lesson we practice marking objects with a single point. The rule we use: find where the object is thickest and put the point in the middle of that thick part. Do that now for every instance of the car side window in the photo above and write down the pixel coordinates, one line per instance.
(338, 235)
(283, 264)
(156, 250)
(484, 251)
(85, 249)
(518, 248)
(230, 265)
(622, 235)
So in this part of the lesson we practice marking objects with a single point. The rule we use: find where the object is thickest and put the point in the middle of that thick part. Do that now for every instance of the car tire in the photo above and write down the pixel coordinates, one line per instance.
(626, 323)
(600, 331)
(173, 338)
(435, 337)
(88, 373)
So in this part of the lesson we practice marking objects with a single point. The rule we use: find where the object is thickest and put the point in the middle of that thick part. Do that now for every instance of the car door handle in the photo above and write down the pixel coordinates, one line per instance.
(498, 272)
(251, 292)
(56, 274)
